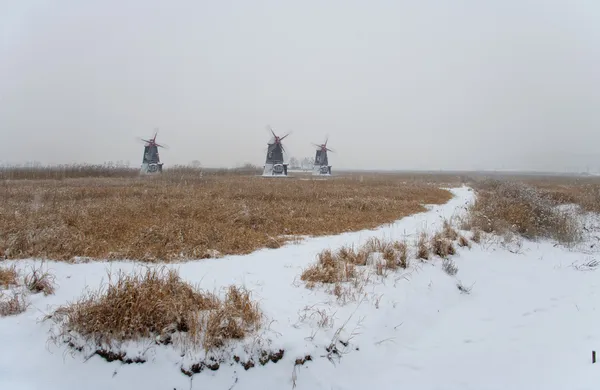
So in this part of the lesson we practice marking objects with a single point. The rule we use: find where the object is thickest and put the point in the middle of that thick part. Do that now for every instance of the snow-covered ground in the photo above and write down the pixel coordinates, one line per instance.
(530, 321)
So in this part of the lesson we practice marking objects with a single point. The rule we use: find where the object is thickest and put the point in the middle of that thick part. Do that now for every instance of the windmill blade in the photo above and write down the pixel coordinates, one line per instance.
(317, 145)
(270, 129)
(330, 150)
(140, 139)
(164, 146)
(282, 138)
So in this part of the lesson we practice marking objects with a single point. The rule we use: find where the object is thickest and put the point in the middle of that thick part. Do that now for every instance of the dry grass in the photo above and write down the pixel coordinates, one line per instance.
(422, 248)
(580, 190)
(463, 242)
(38, 281)
(14, 305)
(8, 276)
(448, 231)
(442, 246)
(476, 237)
(184, 215)
(331, 267)
(158, 305)
(516, 207)
(341, 266)
(449, 267)
(402, 254)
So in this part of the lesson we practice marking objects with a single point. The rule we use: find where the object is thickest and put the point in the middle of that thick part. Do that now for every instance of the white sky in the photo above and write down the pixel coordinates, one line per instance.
(462, 84)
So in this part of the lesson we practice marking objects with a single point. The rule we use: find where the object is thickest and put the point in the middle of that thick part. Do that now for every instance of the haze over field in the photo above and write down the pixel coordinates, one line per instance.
(396, 84)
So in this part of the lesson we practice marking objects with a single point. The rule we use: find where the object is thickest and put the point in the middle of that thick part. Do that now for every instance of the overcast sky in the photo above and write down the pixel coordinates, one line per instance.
(462, 84)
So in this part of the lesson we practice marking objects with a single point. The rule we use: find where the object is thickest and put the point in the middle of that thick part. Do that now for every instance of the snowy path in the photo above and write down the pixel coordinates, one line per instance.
(530, 322)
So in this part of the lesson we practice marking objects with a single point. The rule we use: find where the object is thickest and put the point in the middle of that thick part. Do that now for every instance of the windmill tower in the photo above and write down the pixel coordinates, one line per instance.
(321, 165)
(151, 160)
(274, 165)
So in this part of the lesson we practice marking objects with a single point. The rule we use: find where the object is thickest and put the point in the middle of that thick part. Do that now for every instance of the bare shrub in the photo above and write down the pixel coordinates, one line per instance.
(422, 248)
(155, 305)
(503, 206)
(8, 276)
(38, 281)
(12, 306)
(449, 267)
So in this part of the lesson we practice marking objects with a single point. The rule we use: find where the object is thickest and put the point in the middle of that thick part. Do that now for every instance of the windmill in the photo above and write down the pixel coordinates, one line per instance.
(274, 165)
(151, 160)
(321, 165)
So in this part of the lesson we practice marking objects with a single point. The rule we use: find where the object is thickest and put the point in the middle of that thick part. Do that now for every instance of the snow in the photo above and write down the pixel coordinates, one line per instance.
(530, 321)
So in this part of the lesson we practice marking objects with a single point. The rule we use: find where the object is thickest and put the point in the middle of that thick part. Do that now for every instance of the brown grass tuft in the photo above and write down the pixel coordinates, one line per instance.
(442, 246)
(449, 232)
(39, 281)
(352, 256)
(13, 306)
(391, 258)
(402, 251)
(422, 248)
(232, 320)
(183, 215)
(8, 276)
(156, 304)
(330, 268)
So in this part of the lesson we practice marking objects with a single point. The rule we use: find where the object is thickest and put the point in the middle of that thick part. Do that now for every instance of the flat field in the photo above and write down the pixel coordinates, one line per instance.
(184, 215)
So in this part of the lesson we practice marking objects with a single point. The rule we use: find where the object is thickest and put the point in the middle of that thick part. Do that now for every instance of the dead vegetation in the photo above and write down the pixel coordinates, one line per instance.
(341, 266)
(449, 267)
(422, 248)
(502, 207)
(39, 281)
(14, 288)
(187, 215)
(8, 276)
(157, 305)
(442, 246)
(14, 304)
(333, 268)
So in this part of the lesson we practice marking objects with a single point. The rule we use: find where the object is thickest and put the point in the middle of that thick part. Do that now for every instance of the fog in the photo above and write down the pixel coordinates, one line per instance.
(512, 84)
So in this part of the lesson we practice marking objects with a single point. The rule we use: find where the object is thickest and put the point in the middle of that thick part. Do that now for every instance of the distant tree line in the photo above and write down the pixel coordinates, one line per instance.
(305, 164)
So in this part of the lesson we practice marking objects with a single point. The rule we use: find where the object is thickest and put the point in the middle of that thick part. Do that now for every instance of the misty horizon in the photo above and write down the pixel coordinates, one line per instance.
(511, 85)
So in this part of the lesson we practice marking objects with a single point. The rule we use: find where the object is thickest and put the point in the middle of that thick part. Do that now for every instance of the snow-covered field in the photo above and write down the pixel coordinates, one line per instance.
(530, 321)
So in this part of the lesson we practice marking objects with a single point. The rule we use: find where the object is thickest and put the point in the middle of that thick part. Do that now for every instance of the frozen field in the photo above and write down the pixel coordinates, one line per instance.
(529, 321)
